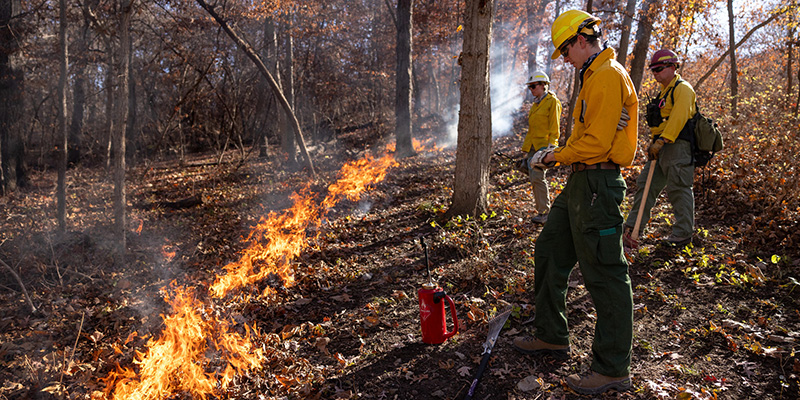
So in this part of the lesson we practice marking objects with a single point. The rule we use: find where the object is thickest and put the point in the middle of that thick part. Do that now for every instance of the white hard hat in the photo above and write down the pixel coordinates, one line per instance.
(538, 76)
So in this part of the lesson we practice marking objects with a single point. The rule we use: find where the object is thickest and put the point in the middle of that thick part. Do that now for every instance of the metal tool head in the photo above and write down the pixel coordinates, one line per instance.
(495, 325)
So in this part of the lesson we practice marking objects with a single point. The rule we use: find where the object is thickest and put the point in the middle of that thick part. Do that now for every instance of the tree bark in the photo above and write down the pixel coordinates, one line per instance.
(470, 187)
(261, 67)
(643, 32)
(120, 125)
(734, 68)
(404, 85)
(63, 56)
(12, 150)
(625, 36)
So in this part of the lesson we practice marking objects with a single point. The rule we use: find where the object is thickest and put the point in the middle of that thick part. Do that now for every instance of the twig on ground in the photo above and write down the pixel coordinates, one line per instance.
(24, 291)
(72, 356)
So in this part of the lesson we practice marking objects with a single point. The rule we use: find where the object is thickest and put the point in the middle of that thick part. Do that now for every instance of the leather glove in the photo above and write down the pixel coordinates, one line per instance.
(623, 119)
(655, 148)
(521, 165)
(538, 157)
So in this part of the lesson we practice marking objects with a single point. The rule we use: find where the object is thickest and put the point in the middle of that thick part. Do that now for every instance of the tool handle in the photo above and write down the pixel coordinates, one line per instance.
(635, 233)
(427, 263)
(481, 368)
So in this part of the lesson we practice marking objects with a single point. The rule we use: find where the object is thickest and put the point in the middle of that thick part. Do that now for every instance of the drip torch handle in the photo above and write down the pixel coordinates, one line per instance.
(427, 264)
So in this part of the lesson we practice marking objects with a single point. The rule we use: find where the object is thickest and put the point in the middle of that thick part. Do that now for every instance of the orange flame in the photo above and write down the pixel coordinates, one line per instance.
(187, 355)
(178, 359)
(139, 228)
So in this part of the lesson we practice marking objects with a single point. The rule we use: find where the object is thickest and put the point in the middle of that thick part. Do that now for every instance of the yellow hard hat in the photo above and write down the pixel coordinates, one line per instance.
(568, 25)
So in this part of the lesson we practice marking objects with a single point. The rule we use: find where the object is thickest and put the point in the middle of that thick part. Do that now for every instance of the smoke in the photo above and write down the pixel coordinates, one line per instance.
(507, 91)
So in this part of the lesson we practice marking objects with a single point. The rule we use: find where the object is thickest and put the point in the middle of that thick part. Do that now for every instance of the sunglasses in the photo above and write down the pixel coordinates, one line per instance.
(535, 84)
(564, 50)
(660, 68)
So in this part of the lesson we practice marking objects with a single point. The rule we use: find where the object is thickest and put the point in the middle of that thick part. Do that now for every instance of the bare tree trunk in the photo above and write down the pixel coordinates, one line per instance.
(12, 149)
(261, 67)
(120, 125)
(643, 32)
(790, 60)
(61, 191)
(288, 142)
(404, 86)
(734, 68)
(474, 149)
(109, 88)
(625, 37)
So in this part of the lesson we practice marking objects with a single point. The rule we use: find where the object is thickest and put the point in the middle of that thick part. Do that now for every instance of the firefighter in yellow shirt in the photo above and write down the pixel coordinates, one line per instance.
(669, 153)
(585, 222)
(543, 128)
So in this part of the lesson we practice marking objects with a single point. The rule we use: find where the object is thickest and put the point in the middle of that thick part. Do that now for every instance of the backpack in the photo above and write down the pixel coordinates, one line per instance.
(707, 138)
(700, 130)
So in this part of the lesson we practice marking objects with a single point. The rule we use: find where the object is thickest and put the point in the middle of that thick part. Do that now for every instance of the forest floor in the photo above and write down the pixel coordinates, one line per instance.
(716, 319)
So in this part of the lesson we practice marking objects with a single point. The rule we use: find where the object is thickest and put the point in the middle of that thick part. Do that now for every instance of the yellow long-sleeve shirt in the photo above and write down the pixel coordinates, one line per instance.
(544, 119)
(675, 115)
(607, 88)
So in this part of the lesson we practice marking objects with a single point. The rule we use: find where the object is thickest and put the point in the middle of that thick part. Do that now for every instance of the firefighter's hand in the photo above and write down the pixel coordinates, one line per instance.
(623, 119)
(538, 159)
(655, 148)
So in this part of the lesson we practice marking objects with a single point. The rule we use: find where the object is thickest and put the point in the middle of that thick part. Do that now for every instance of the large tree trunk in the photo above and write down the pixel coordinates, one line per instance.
(61, 101)
(625, 36)
(643, 31)
(470, 187)
(120, 124)
(734, 68)
(404, 86)
(12, 149)
(248, 50)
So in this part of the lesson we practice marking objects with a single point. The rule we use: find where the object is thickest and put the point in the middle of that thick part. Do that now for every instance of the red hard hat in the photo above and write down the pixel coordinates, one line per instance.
(663, 57)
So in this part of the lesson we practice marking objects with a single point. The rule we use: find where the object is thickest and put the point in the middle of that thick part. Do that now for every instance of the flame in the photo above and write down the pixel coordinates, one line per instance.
(428, 145)
(139, 228)
(178, 360)
(199, 353)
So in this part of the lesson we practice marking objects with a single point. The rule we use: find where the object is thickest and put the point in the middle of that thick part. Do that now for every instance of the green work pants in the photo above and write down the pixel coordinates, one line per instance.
(585, 226)
(675, 172)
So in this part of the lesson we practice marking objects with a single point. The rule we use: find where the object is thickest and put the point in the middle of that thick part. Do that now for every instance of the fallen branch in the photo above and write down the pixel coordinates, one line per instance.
(24, 291)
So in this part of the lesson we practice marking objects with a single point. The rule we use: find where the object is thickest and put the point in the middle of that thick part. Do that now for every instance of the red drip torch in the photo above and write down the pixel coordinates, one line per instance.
(431, 308)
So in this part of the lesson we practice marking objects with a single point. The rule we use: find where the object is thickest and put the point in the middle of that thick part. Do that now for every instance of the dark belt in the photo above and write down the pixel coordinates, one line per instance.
(578, 167)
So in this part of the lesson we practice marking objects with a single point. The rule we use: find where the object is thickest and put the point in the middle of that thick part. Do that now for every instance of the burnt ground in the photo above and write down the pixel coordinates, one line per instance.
(717, 319)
